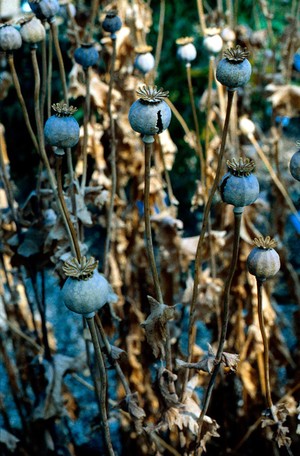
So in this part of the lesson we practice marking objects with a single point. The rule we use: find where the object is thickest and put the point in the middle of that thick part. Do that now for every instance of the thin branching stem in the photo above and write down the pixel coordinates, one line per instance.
(198, 256)
(10, 59)
(160, 36)
(238, 213)
(60, 60)
(102, 388)
(259, 284)
(113, 163)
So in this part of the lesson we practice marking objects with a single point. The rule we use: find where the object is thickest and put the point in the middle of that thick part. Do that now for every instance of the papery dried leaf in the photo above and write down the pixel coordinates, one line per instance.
(285, 99)
(82, 212)
(276, 416)
(281, 438)
(156, 326)
(166, 381)
(32, 244)
(230, 360)
(9, 440)
(209, 429)
(131, 405)
(117, 353)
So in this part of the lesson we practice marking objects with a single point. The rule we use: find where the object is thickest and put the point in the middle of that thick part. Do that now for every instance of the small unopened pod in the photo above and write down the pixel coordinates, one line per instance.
(62, 130)
(239, 186)
(10, 38)
(44, 9)
(112, 22)
(150, 114)
(186, 50)
(86, 290)
(144, 61)
(234, 70)
(213, 42)
(32, 30)
(263, 261)
(86, 55)
(295, 165)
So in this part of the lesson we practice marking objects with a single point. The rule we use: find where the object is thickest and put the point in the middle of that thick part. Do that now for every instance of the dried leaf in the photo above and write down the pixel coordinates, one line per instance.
(166, 381)
(156, 326)
(9, 440)
(276, 416)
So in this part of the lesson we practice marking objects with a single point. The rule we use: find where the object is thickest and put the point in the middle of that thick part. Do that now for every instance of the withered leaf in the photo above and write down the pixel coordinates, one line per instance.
(131, 405)
(230, 361)
(156, 326)
(166, 381)
(275, 416)
(8, 439)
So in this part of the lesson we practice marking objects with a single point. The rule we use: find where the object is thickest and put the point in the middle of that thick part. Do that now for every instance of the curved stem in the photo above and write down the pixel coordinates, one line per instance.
(74, 241)
(198, 257)
(44, 76)
(179, 117)
(208, 104)
(49, 74)
(90, 30)
(86, 117)
(60, 60)
(201, 16)
(10, 59)
(259, 284)
(113, 164)
(196, 123)
(238, 213)
(101, 390)
(160, 36)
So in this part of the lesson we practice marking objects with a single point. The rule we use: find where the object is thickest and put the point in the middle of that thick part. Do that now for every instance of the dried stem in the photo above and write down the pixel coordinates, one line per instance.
(149, 243)
(87, 106)
(238, 213)
(259, 284)
(208, 103)
(113, 163)
(65, 213)
(196, 123)
(179, 117)
(10, 59)
(198, 256)
(90, 30)
(201, 16)
(102, 388)
(160, 36)
(53, 28)
(49, 74)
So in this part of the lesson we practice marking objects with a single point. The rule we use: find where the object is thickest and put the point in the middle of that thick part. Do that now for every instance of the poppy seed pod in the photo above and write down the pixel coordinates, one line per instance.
(85, 290)
(213, 42)
(186, 50)
(32, 30)
(246, 125)
(239, 186)
(150, 114)
(295, 165)
(44, 9)
(62, 130)
(263, 261)
(234, 70)
(86, 55)
(112, 23)
(144, 61)
(10, 38)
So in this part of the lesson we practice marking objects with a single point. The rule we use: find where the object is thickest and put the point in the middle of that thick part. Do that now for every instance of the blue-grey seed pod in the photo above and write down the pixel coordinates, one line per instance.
(144, 61)
(295, 165)
(263, 261)
(10, 38)
(239, 186)
(234, 70)
(150, 114)
(112, 22)
(44, 9)
(32, 31)
(86, 296)
(62, 130)
(86, 55)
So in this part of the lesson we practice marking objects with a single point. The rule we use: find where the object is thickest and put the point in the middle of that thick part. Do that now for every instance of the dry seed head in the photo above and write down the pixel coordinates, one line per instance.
(211, 31)
(237, 54)
(150, 94)
(184, 40)
(63, 110)
(23, 20)
(143, 49)
(81, 270)
(266, 243)
(242, 167)
(112, 13)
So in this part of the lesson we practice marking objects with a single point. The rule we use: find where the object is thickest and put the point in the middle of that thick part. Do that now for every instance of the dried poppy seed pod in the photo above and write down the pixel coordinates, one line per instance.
(234, 70)
(213, 42)
(186, 50)
(150, 114)
(32, 30)
(86, 55)
(44, 9)
(112, 23)
(239, 186)
(85, 290)
(62, 130)
(263, 261)
(295, 165)
(144, 61)
(10, 38)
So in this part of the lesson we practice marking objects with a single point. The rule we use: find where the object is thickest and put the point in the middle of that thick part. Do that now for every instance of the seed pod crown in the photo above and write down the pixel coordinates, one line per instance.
(150, 94)
(80, 270)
